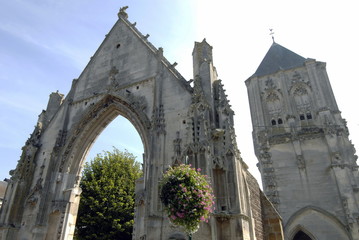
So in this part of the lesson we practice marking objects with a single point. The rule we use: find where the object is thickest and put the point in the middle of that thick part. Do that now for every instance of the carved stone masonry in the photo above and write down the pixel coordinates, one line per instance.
(177, 144)
(158, 120)
(61, 139)
(36, 190)
(177, 149)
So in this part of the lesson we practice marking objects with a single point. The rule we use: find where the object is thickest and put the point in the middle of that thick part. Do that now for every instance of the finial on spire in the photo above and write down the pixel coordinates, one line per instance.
(272, 34)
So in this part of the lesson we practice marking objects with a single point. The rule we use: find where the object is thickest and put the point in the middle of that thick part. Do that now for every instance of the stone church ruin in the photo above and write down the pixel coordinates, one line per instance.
(178, 120)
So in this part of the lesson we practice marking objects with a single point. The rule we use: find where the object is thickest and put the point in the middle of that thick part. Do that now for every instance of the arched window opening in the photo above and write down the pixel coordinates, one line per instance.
(301, 236)
(309, 116)
(274, 122)
(301, 117)
(280, 121)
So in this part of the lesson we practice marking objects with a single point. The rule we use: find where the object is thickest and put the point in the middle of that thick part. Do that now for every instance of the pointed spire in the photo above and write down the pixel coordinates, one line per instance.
(278, 58)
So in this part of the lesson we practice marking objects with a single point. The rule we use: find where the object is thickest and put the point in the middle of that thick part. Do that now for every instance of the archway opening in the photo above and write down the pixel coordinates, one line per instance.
(119, 134)
(301, 236)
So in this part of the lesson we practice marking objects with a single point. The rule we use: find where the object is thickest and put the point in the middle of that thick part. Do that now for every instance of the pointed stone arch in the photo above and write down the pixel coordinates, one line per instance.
(302, 234)
(94, 120)
(301, 93)
(309, 218)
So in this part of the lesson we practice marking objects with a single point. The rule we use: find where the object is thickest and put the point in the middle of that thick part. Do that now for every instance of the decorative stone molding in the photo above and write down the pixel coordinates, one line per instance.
(224, 216)
(61, 139)
(34, 193)
(158, 120)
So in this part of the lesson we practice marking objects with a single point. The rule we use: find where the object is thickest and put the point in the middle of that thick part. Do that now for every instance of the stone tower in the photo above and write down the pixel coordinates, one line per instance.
(307, 162)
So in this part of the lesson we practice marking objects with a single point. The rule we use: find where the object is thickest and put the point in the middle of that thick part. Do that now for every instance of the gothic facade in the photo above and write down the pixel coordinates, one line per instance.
(307, 162)
(178, 120)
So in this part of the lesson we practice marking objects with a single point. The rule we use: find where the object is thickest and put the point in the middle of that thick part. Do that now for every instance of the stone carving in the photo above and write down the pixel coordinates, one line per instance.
(177, 158)
(33, 198)
(220, 100)
(298, 81)
(348, 214)
(138, 102)
(177, 144)
(122, 12)
(262, 137)
(269, 84)
(300, 91)
(197, 95)
(273, 100)
(337, 160)
(218, 162)
(158, 120)
(61, 139)
(264, 154)
(222, 216)
(272, 97)
(270, 182)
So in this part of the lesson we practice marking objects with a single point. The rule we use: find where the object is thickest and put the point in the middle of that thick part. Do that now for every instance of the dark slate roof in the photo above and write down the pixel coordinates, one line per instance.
(278, 58)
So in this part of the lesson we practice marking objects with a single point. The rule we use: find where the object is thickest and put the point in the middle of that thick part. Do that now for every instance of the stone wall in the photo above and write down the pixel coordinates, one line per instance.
(272, 222)
(268, 223)
(255, 200)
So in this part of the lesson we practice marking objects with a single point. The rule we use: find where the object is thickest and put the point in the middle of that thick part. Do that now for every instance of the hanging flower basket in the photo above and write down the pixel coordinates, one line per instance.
(187, 196)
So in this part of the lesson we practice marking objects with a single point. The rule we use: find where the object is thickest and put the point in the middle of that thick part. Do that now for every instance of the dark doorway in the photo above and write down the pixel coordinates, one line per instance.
(301, 236)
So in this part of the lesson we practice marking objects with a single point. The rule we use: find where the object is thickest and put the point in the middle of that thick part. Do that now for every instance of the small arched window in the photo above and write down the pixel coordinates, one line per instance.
(274, 122)
(309, 116)
(280, 121)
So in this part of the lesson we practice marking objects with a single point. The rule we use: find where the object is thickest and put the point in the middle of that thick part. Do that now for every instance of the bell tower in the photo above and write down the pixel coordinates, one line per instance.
(307, 162)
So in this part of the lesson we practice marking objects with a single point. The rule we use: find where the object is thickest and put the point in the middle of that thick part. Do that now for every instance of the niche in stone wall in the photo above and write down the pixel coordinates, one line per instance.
(219, 177)
(231, 180)
(274, 103)
(301, 97)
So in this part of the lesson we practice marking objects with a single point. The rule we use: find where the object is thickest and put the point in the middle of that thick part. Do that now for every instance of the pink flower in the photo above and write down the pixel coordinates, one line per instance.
(180, 215)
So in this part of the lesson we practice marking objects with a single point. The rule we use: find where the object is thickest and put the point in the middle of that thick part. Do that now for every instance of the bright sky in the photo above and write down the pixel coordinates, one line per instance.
(45, 44)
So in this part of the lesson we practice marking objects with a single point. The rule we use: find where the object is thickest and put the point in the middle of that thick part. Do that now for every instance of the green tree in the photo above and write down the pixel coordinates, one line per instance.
(106, 208)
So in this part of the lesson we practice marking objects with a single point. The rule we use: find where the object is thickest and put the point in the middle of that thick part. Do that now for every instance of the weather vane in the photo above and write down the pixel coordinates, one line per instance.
(271, 33)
